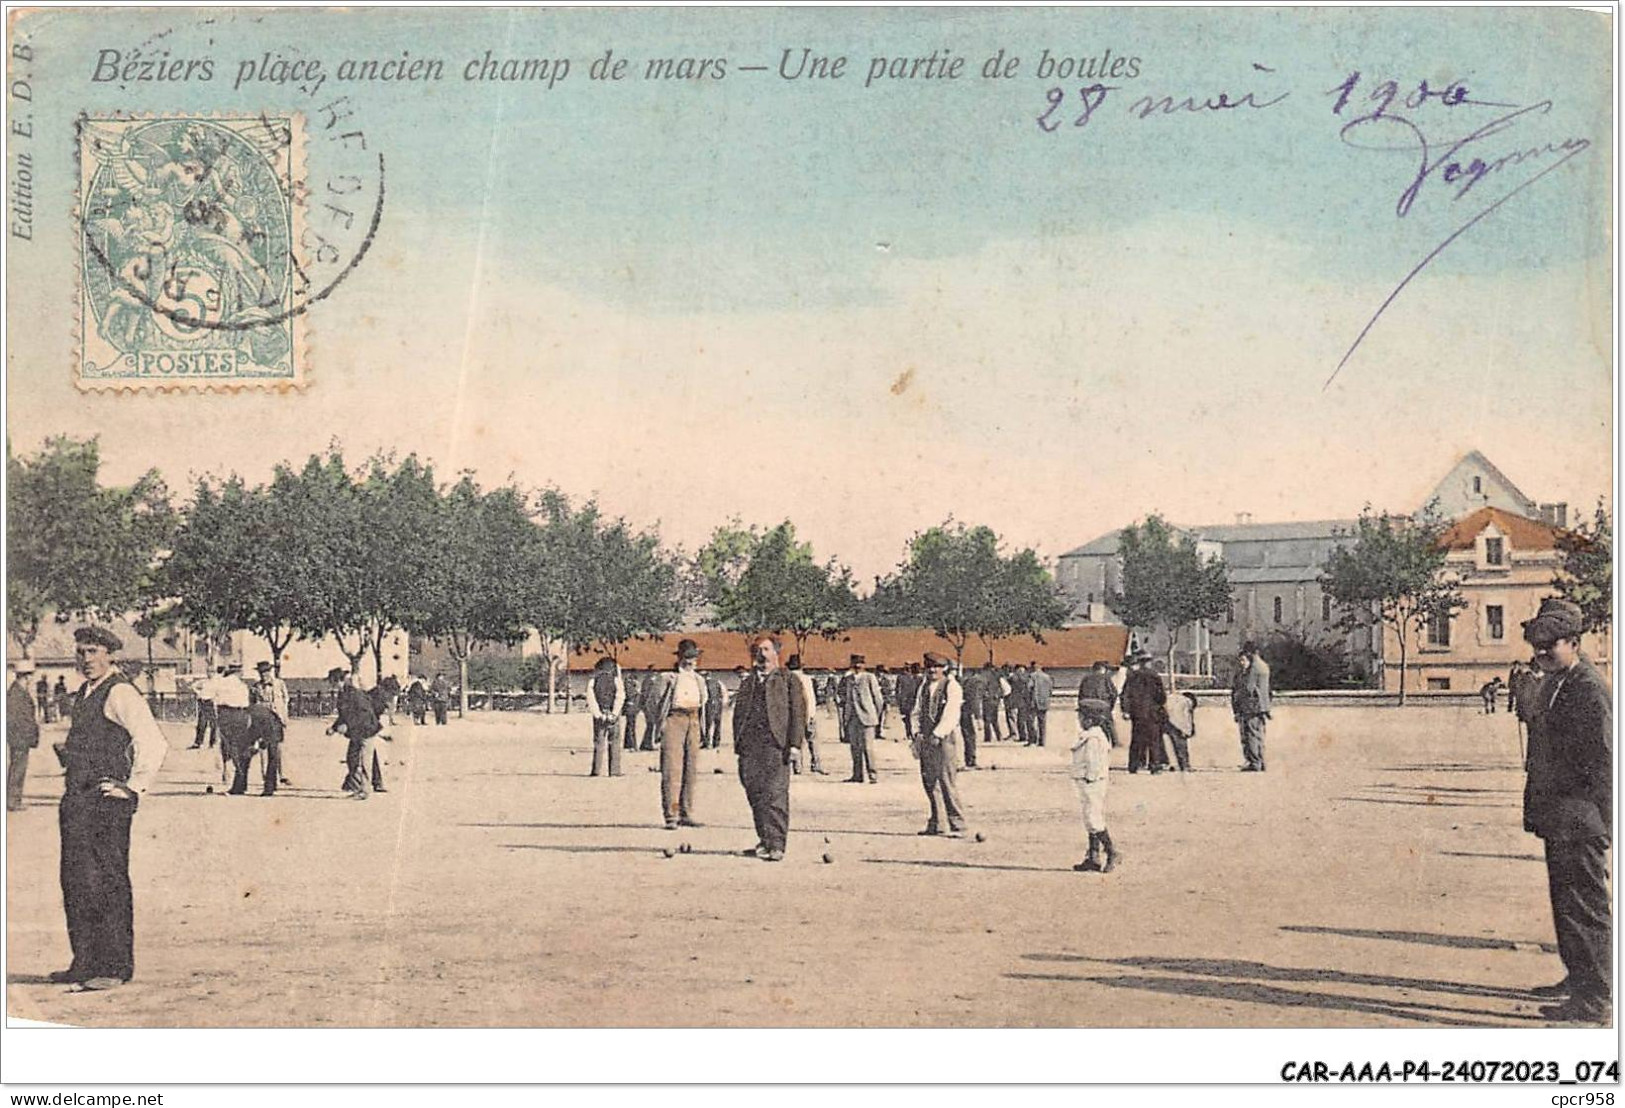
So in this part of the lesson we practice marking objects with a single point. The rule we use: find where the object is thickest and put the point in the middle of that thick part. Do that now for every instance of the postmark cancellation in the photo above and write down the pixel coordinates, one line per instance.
(188, 275)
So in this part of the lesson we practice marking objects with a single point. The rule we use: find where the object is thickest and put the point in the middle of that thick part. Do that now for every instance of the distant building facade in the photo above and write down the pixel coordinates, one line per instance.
(1505, 564)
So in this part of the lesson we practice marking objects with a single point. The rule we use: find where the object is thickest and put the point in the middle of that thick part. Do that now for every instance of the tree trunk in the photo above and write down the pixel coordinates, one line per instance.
(462, 686)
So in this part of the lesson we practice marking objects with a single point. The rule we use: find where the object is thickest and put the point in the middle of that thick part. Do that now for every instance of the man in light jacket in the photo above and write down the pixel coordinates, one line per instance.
(861, 711)
(1250, 703)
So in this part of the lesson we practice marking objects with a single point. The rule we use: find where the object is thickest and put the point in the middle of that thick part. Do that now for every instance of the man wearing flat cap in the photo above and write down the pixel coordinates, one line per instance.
(769, 725)
(111, 757)
(861, 711)
(678, 708)
(936, 744)
(1568, 801)
(358, 723)
(606, 696)
(22, 732)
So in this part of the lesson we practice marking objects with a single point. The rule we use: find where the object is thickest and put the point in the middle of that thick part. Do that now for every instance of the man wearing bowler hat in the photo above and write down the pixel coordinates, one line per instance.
(678, 707)
(111, 757)
(1568, 801)
(861, 711)
(936, 744)
(769, 724)
(606, 695)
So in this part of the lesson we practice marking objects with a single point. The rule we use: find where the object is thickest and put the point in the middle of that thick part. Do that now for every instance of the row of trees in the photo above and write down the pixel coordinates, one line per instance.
(355, 553)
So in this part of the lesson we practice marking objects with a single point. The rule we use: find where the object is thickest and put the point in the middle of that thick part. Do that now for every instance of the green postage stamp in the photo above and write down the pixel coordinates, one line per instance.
(187, 273)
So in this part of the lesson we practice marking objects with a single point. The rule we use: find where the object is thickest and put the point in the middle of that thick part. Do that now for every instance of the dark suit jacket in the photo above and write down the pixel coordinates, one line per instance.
(1042, 685)
(355, 712)
(1144, 696)
(787, 711)
(1570, 791)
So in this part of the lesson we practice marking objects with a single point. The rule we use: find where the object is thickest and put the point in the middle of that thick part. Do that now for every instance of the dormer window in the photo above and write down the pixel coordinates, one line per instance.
(1495, 551)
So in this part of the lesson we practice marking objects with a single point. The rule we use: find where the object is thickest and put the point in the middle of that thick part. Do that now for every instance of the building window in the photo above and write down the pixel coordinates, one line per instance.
(1494, 552)
(1439, 684)
(1478, 487)
(1277, 609)
(1325, 609)
(1230, 612)
(1495, 616)
(1439, 630)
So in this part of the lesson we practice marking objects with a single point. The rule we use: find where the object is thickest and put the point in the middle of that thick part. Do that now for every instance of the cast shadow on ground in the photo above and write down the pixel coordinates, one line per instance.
(1421, 938)
(597, 848)
(1248, 992)
(647, 825)
(944, 864)
(30, 979)
(1389, 786)
(1260, 971)
(1503, 857)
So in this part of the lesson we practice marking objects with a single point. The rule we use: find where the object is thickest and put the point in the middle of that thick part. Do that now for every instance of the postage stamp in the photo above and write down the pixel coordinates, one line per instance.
(187, 271)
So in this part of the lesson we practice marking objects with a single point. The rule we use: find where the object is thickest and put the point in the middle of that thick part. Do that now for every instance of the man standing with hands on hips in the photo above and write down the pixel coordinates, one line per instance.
(111, 757)
(1569, 802)
(770, 719)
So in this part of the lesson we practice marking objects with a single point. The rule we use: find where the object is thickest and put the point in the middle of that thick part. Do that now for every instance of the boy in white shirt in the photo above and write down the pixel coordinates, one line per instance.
(1091, 765)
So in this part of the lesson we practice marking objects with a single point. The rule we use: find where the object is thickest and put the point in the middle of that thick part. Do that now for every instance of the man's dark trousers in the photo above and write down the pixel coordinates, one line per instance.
(95, 874)
(766, 778)
(1577, 877)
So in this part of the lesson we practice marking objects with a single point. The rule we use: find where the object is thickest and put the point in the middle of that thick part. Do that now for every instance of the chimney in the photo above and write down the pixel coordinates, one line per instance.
(1243, 517)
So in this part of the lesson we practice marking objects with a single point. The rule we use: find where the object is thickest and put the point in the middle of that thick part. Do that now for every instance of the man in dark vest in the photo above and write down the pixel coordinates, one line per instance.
(936, 744)
(992, 701)
(1144, 703)
(358, 723)
(716, 700)
(770, 720)
(22, 734)
(111, 757)
(908, 689)
(1569, 802)
(606, 695)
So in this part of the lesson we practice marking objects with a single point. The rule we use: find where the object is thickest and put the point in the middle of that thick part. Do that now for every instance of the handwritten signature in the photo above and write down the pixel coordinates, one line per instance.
(1457, 166)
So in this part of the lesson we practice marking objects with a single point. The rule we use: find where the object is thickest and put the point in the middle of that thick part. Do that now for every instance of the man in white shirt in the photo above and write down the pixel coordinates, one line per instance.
(111, 757)
(678, 705)
(1091, 769)
(207, 725)
(936, 743)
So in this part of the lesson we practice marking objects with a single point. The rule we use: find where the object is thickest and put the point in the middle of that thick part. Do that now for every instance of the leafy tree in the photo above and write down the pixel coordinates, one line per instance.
(74, 546)
(399, 516)
(780, 588)
(1297, 662)
(956, 582)
(1393, 572)
(600, 582)
(1166, 581)
(322, 501)
(1587, 573)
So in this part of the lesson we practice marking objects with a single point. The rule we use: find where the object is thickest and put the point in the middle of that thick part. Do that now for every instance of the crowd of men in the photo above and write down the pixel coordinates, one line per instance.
(114, 748)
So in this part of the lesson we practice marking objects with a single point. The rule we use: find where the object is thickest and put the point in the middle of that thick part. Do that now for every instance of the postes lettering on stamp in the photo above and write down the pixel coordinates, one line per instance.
(188, 275)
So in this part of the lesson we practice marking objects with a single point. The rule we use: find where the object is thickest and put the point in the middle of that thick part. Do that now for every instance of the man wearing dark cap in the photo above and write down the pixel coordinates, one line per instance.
(22, 733)
(606, 695)
(1250, 704)
(111, 757)
(936, 744)
(1096, 684)
(770, 719)
(908, 689)
(679, 703)
(1568, 801)
(358, 723)
(861, 711)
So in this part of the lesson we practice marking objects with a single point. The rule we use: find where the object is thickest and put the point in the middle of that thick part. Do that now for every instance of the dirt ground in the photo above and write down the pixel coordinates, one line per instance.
(1377, 875)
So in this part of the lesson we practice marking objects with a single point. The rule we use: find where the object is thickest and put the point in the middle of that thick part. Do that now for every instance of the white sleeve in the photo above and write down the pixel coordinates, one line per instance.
(128, 708)
(950, 711)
